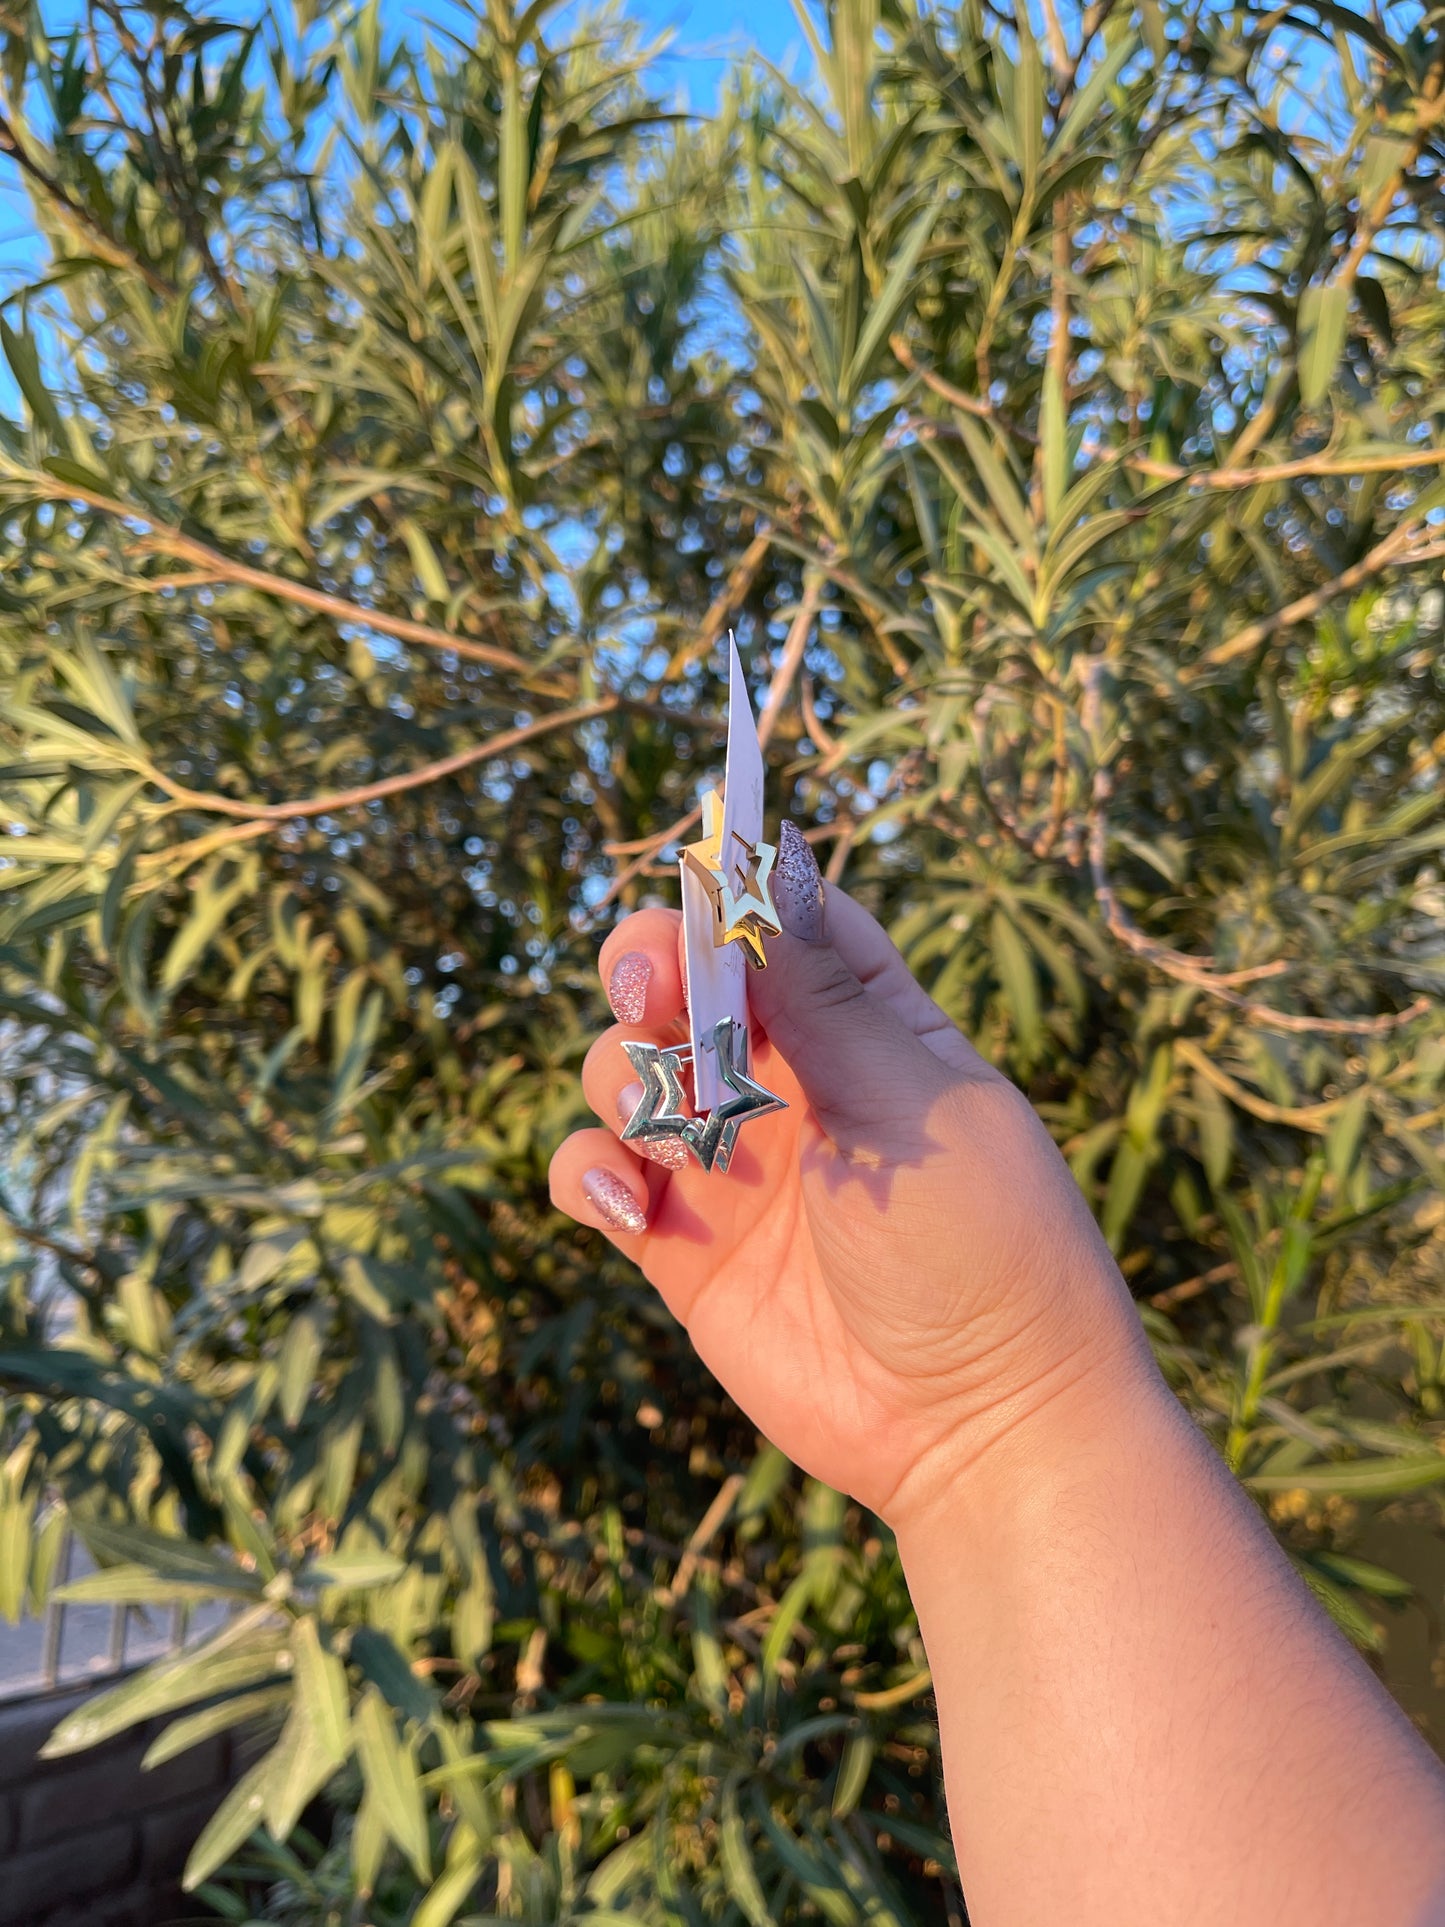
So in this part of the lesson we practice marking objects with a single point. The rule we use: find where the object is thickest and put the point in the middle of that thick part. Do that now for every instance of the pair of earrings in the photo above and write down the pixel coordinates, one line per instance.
(738, 883)
(727, 900)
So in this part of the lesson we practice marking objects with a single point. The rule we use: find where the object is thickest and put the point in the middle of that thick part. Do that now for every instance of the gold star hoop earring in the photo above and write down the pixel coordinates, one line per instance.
(739, 882)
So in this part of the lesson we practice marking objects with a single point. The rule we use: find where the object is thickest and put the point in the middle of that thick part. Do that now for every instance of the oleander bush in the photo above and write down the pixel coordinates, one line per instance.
(396, 417)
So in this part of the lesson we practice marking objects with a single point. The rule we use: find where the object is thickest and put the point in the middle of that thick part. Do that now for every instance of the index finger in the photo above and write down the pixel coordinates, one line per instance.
(641, 967)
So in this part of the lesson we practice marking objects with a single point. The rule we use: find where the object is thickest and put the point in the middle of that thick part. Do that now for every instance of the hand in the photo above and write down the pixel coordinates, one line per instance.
(896, 1271)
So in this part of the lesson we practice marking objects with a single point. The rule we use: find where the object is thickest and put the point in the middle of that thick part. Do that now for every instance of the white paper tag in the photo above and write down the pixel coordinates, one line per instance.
(717, 976)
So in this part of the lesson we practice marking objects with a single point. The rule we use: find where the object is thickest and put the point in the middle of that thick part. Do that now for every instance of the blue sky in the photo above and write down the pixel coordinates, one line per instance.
(705, 33)
(707, 29)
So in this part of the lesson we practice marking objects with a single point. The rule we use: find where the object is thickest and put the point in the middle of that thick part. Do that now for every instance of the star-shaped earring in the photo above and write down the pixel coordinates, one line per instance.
(711, 1139)
(659, 1112)
(717, 1140)
(739, 885)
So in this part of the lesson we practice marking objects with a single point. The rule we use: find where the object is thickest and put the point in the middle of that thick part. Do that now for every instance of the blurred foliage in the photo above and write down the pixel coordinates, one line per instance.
(1054, 406)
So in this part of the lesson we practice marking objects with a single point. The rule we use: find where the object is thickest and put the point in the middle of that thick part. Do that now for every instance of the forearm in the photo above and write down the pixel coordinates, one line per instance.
(1145, 1718)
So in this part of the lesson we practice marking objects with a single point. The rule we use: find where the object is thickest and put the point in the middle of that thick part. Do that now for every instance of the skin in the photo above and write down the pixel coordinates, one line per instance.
(1144, 1716)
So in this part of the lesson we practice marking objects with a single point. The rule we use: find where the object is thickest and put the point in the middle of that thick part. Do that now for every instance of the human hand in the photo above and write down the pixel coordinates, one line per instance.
(896, 1271)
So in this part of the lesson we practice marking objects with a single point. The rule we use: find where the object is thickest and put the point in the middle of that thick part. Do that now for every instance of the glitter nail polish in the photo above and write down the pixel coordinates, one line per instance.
(613, 1200)
(670, 1152)
(797, 884)
(627, 986)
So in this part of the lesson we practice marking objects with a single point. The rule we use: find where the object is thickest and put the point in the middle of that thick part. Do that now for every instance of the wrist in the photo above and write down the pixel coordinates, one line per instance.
(1009, 1450)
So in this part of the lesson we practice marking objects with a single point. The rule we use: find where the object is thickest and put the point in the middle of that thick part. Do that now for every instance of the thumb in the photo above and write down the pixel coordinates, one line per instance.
(862, 1069)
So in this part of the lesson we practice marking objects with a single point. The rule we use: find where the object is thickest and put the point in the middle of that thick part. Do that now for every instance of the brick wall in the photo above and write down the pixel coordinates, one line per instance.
(91, 1840)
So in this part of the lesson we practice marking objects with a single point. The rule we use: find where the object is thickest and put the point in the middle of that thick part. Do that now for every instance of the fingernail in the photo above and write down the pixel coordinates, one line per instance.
(613, 1200)
(798, 884)
(669, 1152)
(627, 986)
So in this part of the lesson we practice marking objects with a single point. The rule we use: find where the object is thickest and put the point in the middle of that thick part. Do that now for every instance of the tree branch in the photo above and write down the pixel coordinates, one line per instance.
(1394, 548)
(1232, 478)
(78, 219)
(739, 582)
(786, 672)
(266, 813)
(164, 540)
(1201, 973)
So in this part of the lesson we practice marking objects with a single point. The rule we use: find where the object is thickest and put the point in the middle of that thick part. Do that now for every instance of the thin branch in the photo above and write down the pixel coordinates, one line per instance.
(955, 397)
(1380, 1026)
(1396, 462)
(816, 728)
(1394, 548)
(1313, 1117)
(1054, 36)
(1201, 973)
(707, 1529)
(727, 600)
(1192, 1287)
(265, 813)
(1038, 844)
(1429, 109)
(648, 847)
(81, 223)
(179, 857)
(164, 540)
(67, 1254)
(841, 851)
(656, 838)
(1095, 16)
(786, 672)
(1231, 478)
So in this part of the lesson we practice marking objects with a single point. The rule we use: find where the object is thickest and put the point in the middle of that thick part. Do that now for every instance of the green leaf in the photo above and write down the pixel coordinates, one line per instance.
(1015, 970)
(17, 1520)
(136, 1586)
(356, 1569)
(316, 1740)
(709, 1667)
(791, 1607)
(389, 1771)
(897, 291)
(424, 559)
(739, 1871)
(1385, 155)
(1380, 1478)
(1324, 312)
(181, 1560)
(1343, 1607)
(446, 1898)
(853, 1771)
(230, 1826)
(1362, 1573)
(473, 1616)
(300, 1355)
(321, 1690)
(239, 1710)
(24, 360)
(206, 1670)
(1342, 1142)
(212, 905)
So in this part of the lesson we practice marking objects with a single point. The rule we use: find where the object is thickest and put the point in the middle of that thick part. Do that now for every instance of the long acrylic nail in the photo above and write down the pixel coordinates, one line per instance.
(798, 884)
(669, 1152)
(613, 1200)
(627, 986)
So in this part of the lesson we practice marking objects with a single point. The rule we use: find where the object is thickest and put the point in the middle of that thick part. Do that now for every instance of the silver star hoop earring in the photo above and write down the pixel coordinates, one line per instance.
(659, 1114)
